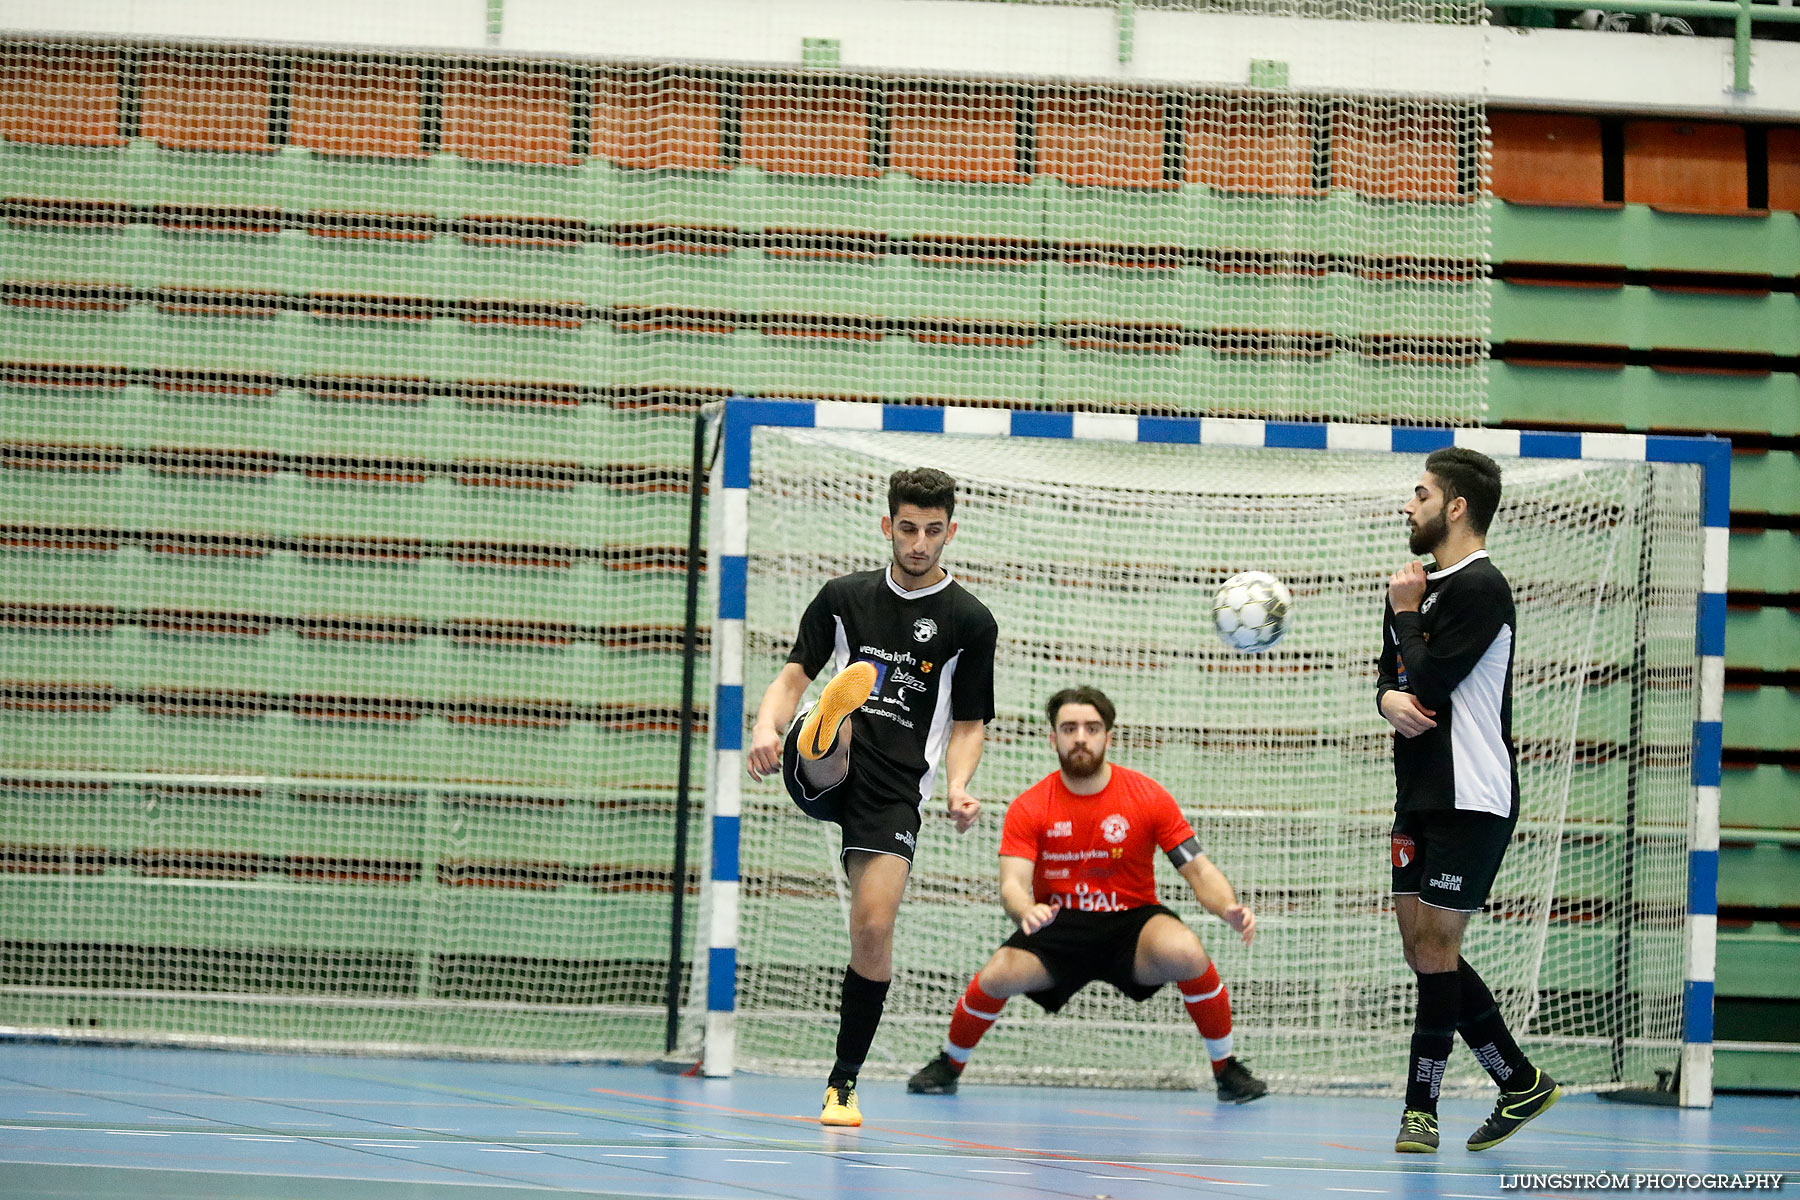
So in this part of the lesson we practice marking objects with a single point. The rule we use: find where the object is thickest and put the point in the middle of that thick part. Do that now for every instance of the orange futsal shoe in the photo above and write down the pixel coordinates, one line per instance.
(841, 697)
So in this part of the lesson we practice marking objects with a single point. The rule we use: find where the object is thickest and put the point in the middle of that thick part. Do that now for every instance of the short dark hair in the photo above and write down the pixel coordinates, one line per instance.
(1081, 695)
(1473, 476)
(924, 487)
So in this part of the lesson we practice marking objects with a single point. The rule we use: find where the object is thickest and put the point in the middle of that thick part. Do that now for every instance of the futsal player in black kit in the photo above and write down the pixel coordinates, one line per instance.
(1446, 687)
(914, 659)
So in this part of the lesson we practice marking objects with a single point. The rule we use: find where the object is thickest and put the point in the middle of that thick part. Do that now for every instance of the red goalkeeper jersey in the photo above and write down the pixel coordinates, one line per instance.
(1094, 853)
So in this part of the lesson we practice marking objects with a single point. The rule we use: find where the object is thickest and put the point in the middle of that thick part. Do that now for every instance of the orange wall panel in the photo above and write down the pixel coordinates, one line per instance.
(1686, 164)
(1110, 139)
(1547, 158)
(206, 101)
(1784, 169)
(1252, 144)
(358, 108)
(517, 116)
(1370, 155)
(659, 121)
(61, 95)
(937, 133)
(808, 129)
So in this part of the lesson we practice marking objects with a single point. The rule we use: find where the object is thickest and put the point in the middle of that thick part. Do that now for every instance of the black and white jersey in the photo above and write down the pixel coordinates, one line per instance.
(933, 653)
(1455, 654)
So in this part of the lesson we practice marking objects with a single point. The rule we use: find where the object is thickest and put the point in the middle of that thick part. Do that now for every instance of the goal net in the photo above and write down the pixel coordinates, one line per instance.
(1099, 559)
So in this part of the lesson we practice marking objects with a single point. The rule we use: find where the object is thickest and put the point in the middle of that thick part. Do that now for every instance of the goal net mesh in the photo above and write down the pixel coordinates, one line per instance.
(1099, 560)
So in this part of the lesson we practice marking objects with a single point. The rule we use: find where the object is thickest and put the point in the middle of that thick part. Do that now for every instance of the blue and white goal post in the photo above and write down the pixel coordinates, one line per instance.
(1620, 1023)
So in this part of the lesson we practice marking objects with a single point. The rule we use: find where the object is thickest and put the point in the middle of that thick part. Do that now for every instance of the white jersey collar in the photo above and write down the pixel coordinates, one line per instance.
(1459, 566)
(887, 573)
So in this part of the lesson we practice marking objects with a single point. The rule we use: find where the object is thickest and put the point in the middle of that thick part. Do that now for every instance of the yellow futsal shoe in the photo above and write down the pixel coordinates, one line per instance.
(841, 697)
(840, 1105)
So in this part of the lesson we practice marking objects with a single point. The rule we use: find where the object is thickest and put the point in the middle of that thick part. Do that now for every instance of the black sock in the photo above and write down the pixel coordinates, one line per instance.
(1485, 1030)
(858, 1015)
(1434, 1032)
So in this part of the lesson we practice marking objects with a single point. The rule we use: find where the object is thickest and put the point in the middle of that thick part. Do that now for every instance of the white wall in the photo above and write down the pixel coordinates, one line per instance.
(1550, 68)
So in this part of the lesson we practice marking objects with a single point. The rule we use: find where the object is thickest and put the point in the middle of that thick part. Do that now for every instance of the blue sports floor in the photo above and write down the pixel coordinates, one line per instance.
(92, 1121)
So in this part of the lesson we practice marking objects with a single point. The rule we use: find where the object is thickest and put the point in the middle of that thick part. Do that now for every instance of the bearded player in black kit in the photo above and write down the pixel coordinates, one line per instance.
(914, 659)
(1446, 687)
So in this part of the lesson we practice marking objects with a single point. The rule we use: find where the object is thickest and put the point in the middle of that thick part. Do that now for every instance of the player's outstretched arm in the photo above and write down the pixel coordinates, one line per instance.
(772, 716)
(960, 760)
(1215, 894)
(1016, 897)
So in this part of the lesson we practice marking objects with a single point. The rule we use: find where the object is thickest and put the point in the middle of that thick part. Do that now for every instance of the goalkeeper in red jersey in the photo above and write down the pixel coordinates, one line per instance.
(1076, 876)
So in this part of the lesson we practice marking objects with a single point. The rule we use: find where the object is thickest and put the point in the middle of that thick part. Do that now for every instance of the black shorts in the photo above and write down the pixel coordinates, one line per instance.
(1080, 947)
(1447, 858)
(870, 820)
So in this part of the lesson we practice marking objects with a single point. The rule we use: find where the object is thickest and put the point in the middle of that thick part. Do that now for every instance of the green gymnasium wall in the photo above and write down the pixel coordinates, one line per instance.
(1648, 279)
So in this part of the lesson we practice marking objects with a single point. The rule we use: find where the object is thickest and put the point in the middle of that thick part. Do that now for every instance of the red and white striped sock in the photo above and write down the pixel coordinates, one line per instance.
(1209, 1004)
(973, 1016)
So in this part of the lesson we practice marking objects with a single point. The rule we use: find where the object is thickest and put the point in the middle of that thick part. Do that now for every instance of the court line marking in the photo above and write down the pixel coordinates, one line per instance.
(133, 1133)
(751, 1112)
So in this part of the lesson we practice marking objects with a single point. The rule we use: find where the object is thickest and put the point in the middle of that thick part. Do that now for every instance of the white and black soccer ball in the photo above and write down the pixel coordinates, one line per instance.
(1252, 611)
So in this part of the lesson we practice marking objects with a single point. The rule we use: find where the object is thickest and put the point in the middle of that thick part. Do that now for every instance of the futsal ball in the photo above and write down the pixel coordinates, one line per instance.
(1252, 610)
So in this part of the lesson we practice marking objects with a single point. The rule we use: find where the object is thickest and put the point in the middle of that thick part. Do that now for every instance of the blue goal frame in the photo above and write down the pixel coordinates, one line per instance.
(730, 560)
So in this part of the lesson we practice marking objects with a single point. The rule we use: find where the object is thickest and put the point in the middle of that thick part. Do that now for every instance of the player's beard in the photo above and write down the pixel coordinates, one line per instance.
(907, 569)
(1424, 539)
(1085, 767)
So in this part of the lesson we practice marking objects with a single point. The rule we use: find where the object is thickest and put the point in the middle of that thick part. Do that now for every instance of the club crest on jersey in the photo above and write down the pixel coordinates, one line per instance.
(924, 629)
(1429, 601)
(1114, 828)
(1403, 850)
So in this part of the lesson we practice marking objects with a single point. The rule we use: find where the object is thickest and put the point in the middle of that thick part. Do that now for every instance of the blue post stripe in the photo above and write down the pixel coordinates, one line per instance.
(1703, 883)
(1715, 512)
(1709, 747)
(1295, 435)
(725, 849)
(742, 416)
(728, 716)
(734, 447)
(912, 418)
(1411, 439)
(1030, 423)
(734, 584)
(1549, 445)
(1697, 1011)
(721, 979)
(1182, 430)
(1709, 631)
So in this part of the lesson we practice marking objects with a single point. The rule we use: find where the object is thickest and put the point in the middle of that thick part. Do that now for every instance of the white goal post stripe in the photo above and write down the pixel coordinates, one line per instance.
(740, 417)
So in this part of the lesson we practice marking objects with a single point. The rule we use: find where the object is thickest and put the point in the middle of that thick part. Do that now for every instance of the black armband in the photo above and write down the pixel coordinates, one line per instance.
(1185, 853)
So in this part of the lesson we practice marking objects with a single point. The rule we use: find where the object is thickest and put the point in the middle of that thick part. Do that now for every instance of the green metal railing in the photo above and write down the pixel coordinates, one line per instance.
(1742, 13)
